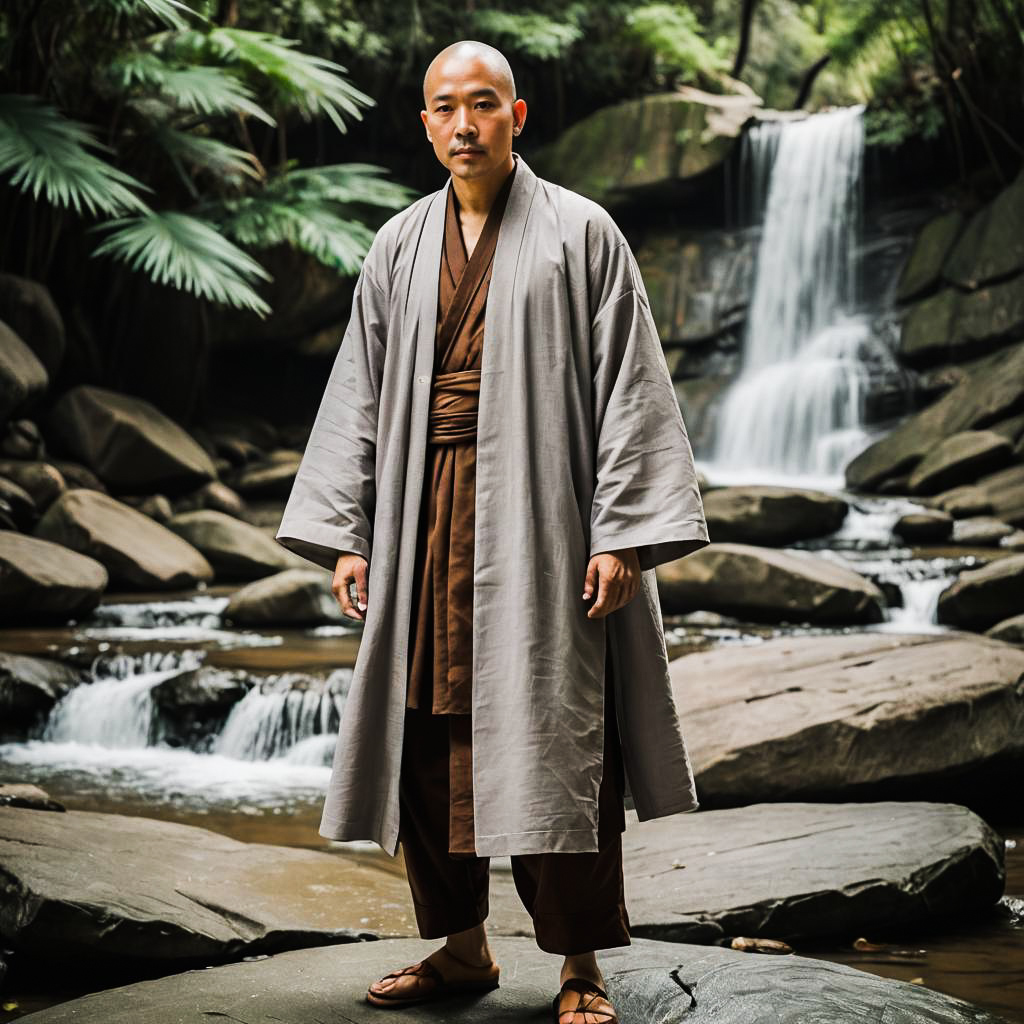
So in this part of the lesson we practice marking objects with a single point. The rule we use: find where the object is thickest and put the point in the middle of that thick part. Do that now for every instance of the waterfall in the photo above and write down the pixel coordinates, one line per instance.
(797, 406)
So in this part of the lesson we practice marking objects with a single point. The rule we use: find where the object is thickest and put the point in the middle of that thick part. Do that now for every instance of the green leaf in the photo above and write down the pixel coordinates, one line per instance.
(45, 153)
(168, 11)
(187, 253)
(200, 151)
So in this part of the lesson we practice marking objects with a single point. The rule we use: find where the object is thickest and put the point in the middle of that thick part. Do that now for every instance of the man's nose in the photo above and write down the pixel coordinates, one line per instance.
(465, 125)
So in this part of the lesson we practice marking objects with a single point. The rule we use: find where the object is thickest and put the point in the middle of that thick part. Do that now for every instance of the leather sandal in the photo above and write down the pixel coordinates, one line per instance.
(440, 988)
(583, 1005)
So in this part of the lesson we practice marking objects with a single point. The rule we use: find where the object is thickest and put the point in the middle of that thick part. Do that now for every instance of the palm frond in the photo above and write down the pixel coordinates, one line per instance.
(170, 12)
(341, 183)
(45, 152)
(302, 82)
(228, 163)
(187, 253)
(204, 89)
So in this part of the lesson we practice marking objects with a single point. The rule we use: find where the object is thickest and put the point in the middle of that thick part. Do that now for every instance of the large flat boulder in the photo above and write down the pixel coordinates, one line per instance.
(793, 870)
(137, 552)
(768, 585)
(980, 598)
(650, 981)
(46, 580)
(108, 887)
(772, 515)
(128, 442)
(848, 716)
(960, 459)
(295, 597)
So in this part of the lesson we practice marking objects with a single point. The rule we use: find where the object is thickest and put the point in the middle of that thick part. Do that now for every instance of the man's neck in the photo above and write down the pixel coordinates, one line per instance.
(476, 195)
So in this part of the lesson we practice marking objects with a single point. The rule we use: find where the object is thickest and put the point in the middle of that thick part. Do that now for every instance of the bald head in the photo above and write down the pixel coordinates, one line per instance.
(466, 51)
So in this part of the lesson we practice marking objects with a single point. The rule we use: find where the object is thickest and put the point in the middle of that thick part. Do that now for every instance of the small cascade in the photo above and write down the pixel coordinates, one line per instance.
(115, 708)
(809, 356)
(282, 712)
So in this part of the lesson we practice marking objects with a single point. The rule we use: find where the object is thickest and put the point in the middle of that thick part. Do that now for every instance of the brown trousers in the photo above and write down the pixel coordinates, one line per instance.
(576, 900)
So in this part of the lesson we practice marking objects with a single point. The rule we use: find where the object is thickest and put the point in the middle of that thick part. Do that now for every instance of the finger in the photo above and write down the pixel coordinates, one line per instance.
(591, 579)
(344, 598)
(600, 606)
(362, 585)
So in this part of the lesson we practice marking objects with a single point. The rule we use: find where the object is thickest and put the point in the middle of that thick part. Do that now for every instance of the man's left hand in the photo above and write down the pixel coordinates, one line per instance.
(616, 577)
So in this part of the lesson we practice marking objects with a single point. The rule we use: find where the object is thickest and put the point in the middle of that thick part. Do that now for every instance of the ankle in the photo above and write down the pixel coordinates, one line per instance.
(470, 956)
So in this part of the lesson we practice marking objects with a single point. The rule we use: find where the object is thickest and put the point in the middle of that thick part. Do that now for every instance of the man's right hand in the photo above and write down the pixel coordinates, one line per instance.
(351, 569)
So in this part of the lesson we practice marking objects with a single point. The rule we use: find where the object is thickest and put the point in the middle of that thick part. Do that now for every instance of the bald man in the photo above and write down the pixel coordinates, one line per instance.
(495, 482)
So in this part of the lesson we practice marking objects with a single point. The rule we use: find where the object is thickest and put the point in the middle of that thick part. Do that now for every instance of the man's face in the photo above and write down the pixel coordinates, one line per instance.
(469, 118)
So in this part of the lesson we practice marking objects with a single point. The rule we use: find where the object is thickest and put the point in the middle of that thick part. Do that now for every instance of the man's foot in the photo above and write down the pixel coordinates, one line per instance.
(583, 1001)
(442, 970)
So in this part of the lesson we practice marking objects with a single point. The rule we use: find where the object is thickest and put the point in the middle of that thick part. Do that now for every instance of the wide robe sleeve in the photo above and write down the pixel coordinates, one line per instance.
(330, 508)
(646, 493)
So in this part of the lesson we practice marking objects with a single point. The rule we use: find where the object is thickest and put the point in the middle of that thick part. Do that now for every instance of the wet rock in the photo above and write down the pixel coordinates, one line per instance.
(28, 308)
(93, 887)
(981, 531)
(18, 502)
(29, 688)
(666, 982)
(200, 689)
(22, 440)
(43, 481)
(771, 515)
(295, 597)
(137, 552)
(46, 581)
(924, 527)
(848, 717)
(963, 502)
(793, 870)
(960, 459)
(768, 585)
(923, 270)
(236, 550)
(1009, 630)
(24, 794)
(993, 390)
(129, 443)
(268, 478)
(23, 379)
(980, 598)
(1004, 493)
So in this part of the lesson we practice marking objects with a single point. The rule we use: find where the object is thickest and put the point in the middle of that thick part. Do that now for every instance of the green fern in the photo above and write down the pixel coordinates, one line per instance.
(45, 153)
(187, 253)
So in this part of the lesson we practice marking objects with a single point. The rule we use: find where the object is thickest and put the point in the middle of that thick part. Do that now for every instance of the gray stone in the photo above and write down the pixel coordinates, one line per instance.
(295, 597)
(28, 307)
(923, 527)
(110, 887)
(794, 870)
(236, 550)
(960, 459)
(46, 580)
(24, 794)
(923, 269)
(23, 379)
(43, 481)
(993, 390)
(1010, 631)
(650, 981)
(992, 245)
(29, 687)
(771, 515)
(267, 478)
(982, 531)
(768, 585)
(980, 598)
(137, 552)
(129, 443)
(830, 717)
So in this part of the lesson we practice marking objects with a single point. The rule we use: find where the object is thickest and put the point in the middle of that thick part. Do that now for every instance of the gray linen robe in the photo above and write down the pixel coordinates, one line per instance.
(581, 448)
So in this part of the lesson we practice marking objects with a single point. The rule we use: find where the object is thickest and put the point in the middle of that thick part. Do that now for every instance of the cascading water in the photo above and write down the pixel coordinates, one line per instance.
(796, 410)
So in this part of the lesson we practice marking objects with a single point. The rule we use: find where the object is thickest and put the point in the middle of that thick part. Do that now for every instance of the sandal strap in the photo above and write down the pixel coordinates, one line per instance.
(583, 986)
(583, 1006)
(424, 969)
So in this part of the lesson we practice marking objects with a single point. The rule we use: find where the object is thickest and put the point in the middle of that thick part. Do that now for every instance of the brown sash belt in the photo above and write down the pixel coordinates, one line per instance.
(453, 407)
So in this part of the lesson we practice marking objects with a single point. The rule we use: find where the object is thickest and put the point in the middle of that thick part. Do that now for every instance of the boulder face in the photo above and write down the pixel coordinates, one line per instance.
(638, 144)
(129, 443)
(792, 870)
(42, 580)
(667, 982)
(850, 716)
(992, 391)
(29, 688)
(137, 552)
(923, 270)
(296, 597)
(768, 585)
(23, 378)
(959, 459)
(235, 549)
(109, 888)
(979, 598)
(771, 515)
(28, 308)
